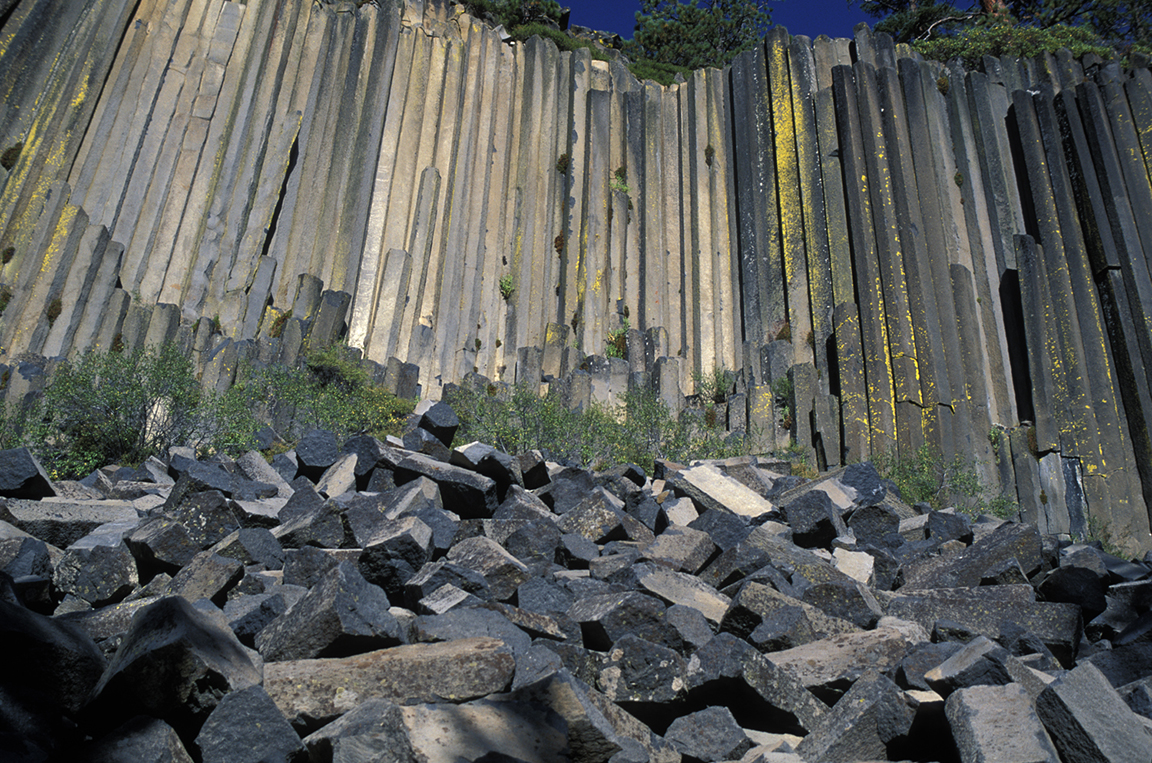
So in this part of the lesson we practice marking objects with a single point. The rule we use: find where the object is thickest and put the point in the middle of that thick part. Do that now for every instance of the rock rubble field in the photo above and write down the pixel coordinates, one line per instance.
(365, 601)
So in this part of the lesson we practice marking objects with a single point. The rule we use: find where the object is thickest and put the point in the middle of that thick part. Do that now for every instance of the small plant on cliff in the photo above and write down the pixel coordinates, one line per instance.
(7, 255)
(5, 298)
(714, 387)
(277, 328)
(617, 341)
(559, 243)
(507, 286)
(619, 182)
(563, 164)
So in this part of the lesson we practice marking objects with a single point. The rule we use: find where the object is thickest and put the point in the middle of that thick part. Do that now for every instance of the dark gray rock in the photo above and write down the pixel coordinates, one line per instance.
(140, 739)
(492, 463)
(967, 568)
(426, 444)
(466, 622)
(394, 554)
(436, 574)
(175, 663)
(20, 557)
(21, 475)
(1088, 721)
(872, 524)
(315, 452)
(252, 545)
(372, 731)
(724, 528)
(567, 489)
(998, 723)
(60, 522)
(503, 572)
(439, 419)
(306, 566)
(636, 671)
(604, 618)
(920, 659)
(711, 734)
(814, 520)
(869, 717)
(206, 576)
(342, 614)
(978, 663)
(463, 492)
(50, 666)
(1076, 585)
(323, 526)
(247, 727)
(99, 574)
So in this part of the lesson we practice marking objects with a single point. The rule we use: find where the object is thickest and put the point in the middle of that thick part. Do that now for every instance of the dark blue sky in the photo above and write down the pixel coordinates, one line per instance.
(808, 17)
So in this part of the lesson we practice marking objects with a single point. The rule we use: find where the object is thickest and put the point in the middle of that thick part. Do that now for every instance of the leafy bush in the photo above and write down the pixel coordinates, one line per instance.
(638, 430)
(111, 407)
(926, 478)
(331, 392)
(697, 33)
(1002, 39)
(617, 344)
(507, 286)
(663, 73)
(116, 407)
(714, 387)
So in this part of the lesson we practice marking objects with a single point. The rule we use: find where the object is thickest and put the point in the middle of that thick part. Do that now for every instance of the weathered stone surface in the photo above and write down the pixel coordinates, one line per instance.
(998, 723)
(709, 488)
(1009, 541)
(862, 724)
(839, 660)
(101, 574)
(439, 419)
(638, 671)
(175, 663)
(373, 730)
(1058, 626)
(343, 614)
(148, 740)
(316, 451)
(312, 692)
(683, 589)
(21, 475)
(61, 522)
(1088, 720)
(464, 493)
(246, 726)
(206, 576)
(709, 734)
(681, 548)
(502, 571)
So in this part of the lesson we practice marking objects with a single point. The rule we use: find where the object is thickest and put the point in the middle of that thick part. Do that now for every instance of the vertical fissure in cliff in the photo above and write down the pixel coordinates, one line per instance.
(270, 231)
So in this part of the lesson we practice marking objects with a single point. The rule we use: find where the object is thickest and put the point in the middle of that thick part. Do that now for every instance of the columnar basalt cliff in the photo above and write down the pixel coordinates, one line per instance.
(928, 256)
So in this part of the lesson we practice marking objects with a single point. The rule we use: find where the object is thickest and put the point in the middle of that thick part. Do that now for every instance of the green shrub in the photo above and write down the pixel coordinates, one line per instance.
(331, 392)
(714, 387)
(638, 430)
(617, 341)
(926, 478)
(971, 44)
(619, 181)
(507, 286)
(561, 39)
(109, 407)
(665, 74)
